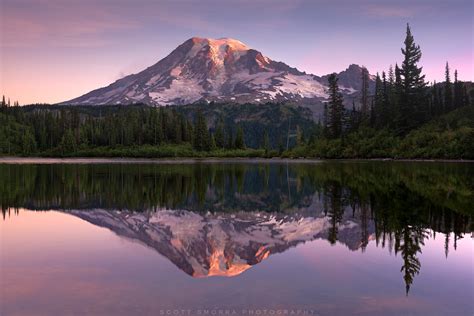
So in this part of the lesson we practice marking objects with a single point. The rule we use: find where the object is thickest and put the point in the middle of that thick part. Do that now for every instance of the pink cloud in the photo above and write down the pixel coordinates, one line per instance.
(66, 26)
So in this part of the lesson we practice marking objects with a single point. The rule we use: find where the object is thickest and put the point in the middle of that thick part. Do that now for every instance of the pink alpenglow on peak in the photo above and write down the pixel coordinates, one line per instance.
(219, 70)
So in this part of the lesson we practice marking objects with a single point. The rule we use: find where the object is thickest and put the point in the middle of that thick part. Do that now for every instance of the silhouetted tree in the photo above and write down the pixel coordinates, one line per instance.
(412, 105)
(364, 99)
(448, 90)
(335, 107)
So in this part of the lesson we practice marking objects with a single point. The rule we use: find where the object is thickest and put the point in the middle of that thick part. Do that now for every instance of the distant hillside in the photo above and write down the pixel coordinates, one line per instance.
(276, 119)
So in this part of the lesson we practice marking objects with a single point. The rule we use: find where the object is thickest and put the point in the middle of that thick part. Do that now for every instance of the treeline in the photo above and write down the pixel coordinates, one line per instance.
(224, 130)
(6, 104)
(387, 122)
(67, 131)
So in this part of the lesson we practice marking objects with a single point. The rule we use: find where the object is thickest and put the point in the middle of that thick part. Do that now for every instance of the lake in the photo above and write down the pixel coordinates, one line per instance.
(236, 238)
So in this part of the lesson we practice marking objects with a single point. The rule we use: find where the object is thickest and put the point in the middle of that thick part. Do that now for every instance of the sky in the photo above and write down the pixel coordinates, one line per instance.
(56, 50)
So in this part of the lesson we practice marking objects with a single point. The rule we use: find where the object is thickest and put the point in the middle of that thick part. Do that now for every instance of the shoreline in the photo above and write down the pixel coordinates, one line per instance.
(207, 160)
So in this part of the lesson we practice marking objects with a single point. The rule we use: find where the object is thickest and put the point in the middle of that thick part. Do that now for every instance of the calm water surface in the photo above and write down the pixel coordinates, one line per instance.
(345, 238)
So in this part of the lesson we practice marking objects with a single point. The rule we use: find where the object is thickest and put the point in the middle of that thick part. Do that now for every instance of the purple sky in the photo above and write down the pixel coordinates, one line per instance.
(55, 50)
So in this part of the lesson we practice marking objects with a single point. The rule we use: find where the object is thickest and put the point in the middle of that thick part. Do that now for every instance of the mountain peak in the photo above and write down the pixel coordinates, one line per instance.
(222, 70)
(221, 43)
(354, 67)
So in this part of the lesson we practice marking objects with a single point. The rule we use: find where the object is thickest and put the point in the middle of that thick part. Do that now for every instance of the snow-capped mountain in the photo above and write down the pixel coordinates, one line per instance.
(224, 244)
(203, 69)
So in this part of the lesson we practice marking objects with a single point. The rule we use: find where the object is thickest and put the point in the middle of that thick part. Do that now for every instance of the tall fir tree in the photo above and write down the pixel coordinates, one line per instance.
(354, 119)
(201, 134)
(266, 142)
(239, 138)
(448, 90)
(212, 142)
(391, 76)
(68, 143)
(325, 126)
(458, 91)
(413, 103)
(436, 103)
(381, 102)
(466, 100)
(392, 96)
(178, 130)
(378, 102)
(385, 115)
(335, 107)
(299, 136)
(230, 143)
(219, 135)
(364, 99)
(398, 89)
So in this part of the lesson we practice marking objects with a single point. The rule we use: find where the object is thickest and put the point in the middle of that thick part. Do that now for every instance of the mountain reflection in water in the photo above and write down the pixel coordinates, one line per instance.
(221, 219)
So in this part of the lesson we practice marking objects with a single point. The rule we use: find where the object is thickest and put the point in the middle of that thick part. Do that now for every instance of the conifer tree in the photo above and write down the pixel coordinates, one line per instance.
(230, 144)
(436, 104)
(412, 107)
(28, 143)
(185, 131)
(466, 99)
(266, 142)
(335, 107)
(189, 131)
(299, 136)
(178, 132)
(201, 135)
(281, 147)
(353, 121)
(392, 96)
(212, 142)
(372, 120)
(325, 126)
(364, 100)
(68, 143)
(391, 77)
(448, 92)
(386, 101)
(378, 103)
(458, 91)
(398, 89)
(219, 135)
(239, 138)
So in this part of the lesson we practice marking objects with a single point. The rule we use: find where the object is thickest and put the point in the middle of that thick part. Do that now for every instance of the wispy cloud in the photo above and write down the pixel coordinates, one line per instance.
(387, 11)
